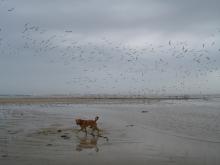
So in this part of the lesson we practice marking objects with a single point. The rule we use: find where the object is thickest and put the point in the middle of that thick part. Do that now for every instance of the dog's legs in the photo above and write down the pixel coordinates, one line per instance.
(85, 130)
(82, 129)
(95, 128)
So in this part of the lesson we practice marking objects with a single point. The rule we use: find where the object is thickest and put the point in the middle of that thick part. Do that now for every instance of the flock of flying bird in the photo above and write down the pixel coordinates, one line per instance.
(116, 65)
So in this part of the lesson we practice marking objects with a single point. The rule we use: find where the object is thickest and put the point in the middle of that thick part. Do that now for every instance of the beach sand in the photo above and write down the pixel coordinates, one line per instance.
(156, 132)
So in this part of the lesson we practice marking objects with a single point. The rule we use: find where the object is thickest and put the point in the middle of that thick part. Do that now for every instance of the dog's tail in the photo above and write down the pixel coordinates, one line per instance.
(96, 118)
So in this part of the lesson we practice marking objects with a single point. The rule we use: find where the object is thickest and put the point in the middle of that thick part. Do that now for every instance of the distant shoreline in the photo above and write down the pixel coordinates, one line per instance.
(98, 99)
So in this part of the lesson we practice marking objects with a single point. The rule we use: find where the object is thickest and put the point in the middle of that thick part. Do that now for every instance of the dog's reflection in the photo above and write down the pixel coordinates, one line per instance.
(87, 142)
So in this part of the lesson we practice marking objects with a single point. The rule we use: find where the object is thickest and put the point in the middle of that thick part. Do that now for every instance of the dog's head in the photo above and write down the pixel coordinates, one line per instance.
(78, 121)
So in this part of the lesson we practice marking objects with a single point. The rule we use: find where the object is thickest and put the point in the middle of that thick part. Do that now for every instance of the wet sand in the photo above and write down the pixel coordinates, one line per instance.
(156, 132)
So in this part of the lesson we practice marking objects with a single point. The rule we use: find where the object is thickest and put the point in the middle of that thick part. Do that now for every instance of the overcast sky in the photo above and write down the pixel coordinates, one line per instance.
(123, 47)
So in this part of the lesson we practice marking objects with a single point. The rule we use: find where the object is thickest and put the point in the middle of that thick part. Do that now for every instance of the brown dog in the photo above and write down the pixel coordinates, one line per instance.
(88, 123)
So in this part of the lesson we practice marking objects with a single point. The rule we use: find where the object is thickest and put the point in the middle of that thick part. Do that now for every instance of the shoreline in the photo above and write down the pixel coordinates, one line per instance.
(79, 100)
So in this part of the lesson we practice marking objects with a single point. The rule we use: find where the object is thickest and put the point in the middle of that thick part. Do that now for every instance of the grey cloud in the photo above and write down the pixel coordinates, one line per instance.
(109, 37)
(91, 17)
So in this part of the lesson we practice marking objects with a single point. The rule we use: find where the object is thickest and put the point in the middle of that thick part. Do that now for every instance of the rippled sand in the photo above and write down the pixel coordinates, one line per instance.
(142, 132)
